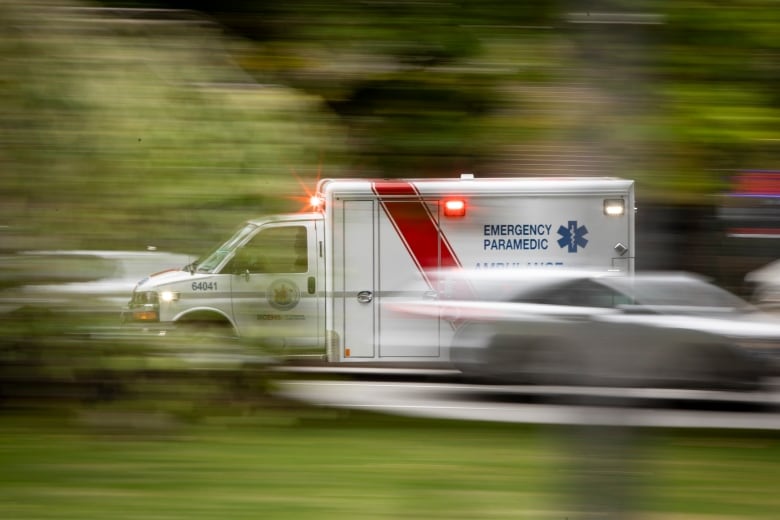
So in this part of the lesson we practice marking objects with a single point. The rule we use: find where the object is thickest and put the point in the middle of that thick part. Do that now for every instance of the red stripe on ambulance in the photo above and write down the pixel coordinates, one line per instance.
(416, 226)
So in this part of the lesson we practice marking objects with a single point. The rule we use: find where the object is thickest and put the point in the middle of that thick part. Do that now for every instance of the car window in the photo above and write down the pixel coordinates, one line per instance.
(679, 292)
(274, 250)
(211, 261)
(579, 293)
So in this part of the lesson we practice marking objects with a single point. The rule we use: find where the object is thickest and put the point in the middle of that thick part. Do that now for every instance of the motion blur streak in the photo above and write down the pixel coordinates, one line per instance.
(141, 128)
(142, 124)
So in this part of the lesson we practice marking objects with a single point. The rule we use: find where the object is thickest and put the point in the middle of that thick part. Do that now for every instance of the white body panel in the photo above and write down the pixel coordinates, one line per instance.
(380, 240)
(385, 238)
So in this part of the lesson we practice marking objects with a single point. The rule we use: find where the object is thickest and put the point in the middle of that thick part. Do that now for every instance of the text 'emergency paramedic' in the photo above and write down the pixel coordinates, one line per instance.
(531, 237)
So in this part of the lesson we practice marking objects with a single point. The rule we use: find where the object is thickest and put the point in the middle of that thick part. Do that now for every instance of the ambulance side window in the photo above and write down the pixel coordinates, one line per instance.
(273, 250)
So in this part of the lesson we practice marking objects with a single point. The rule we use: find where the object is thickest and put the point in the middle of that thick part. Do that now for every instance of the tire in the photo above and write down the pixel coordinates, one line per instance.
(531, 359)
(200, 331)
(715, 366)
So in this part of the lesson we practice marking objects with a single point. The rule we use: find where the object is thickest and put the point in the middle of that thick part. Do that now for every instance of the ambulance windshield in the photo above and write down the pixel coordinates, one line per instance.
(209, 262)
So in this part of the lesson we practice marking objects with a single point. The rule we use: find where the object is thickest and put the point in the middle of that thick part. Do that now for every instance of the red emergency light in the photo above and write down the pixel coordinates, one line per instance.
(455, 208)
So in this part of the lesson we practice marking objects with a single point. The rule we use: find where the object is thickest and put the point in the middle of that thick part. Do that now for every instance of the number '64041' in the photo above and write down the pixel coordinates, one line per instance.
(204, 286)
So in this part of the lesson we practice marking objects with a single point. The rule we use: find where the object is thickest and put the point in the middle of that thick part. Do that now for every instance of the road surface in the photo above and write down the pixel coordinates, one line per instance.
(636, 407)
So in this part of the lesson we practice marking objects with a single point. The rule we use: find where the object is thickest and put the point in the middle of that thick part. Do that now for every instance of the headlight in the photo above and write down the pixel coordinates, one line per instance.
(169, 296)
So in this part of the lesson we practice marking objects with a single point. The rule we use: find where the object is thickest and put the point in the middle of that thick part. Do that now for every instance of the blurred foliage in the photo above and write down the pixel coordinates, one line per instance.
(118, 134)
(167, 122)
(16, 270)
(53, 362)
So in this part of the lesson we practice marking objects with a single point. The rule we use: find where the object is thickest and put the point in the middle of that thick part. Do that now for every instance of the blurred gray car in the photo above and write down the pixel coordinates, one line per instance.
(78, 281)
(564, 327)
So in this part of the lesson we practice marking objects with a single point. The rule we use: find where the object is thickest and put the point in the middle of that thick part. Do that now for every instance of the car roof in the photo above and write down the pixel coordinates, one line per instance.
(499, 283)
(522, 277)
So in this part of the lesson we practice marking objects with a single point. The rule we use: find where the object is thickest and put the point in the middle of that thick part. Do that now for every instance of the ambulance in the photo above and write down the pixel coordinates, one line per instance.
(314, 283)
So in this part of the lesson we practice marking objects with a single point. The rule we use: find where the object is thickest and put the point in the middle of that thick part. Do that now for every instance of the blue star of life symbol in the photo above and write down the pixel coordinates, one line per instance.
(573, 236)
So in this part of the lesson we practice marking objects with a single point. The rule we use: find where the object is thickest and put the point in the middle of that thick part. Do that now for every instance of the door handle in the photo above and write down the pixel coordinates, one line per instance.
(365, 296)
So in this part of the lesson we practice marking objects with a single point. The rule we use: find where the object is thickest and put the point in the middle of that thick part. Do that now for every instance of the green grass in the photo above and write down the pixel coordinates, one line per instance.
(296, 463)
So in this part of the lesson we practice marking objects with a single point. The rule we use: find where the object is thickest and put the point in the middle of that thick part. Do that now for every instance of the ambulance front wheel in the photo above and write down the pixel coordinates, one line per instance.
(205, 327)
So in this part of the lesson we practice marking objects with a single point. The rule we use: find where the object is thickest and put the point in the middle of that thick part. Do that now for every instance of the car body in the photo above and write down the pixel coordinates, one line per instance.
(653, 329)
(91, 282)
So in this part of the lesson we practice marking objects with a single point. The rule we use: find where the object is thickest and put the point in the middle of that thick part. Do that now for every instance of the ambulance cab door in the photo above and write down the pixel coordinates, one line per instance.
(274, 287)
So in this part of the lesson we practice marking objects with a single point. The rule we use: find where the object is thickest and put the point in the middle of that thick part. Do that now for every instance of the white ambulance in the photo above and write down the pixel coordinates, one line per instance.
(314, 282)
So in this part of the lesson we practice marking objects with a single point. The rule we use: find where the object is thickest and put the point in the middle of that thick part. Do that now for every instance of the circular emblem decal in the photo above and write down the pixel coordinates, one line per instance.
(283, 294)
